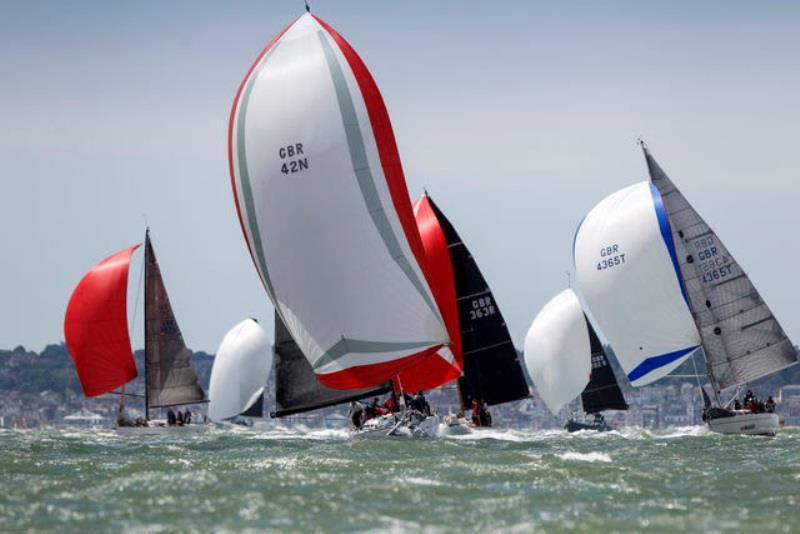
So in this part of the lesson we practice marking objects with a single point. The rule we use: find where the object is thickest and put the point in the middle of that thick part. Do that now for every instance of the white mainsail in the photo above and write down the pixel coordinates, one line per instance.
(557, 351)
(240, 371)
(325, 210)
(627, 273)
(742, 340)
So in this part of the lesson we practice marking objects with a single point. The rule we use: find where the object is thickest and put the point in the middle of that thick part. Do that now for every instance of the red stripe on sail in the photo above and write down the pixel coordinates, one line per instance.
(436, 371)
(96, 326)
(416, 373)
(231, 120)
(387, 147)
(361, 376)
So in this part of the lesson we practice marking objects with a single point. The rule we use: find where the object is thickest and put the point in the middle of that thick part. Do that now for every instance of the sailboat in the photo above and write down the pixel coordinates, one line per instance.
(97, 336)
(239, 374)
(492, 372)
(565, 358)
(662, 286)
(325, 212)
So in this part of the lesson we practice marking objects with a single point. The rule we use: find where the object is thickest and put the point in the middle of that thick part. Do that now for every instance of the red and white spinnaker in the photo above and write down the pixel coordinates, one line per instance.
(325, 211)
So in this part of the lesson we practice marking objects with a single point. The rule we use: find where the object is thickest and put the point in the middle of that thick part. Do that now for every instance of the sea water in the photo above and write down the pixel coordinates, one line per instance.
(296, 479)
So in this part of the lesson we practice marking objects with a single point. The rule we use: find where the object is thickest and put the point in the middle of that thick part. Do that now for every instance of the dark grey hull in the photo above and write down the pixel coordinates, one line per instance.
(574, 426)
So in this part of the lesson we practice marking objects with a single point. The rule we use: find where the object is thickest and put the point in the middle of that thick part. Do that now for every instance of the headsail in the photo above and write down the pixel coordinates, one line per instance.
(602, 392)
(297, 389)
(492, 372)
(742, 340)
(557, 351)
(171, 378)
(626, 272)
(96, 326)
(240, 372)
(324, 208)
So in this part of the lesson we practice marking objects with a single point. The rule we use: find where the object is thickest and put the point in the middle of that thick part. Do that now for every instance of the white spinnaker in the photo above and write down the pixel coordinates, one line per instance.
(629, 283)
(557, 351)
(240, 371)
(317, 211)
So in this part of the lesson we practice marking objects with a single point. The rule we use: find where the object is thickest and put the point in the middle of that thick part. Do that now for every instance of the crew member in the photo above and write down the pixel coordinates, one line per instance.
(357, 414)
(486, 417)
(476, 412)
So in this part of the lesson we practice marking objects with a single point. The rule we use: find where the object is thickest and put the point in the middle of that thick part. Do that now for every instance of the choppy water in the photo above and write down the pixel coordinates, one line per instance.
(684, 479)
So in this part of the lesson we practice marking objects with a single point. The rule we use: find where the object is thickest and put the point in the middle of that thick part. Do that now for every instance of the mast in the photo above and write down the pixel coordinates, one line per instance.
(147, 248)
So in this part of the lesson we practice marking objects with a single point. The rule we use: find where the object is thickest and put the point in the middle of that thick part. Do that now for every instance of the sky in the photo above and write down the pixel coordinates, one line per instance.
(517, 117)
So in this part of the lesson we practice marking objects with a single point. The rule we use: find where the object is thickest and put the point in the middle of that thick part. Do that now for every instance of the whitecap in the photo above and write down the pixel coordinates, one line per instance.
(591, 457)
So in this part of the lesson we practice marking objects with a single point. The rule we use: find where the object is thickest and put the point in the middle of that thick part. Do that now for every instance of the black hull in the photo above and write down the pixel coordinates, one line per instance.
(574, 426)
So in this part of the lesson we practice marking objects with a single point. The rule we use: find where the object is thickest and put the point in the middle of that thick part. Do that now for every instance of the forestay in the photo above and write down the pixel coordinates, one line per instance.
(626, 270)
(240, 372)
(742, 340)
(171, 377)
(557, 351)
(96, 326)
(324, 208)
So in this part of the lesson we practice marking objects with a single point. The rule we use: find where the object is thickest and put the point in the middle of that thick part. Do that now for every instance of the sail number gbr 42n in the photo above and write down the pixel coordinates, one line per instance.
(292, 158)
(610, 256)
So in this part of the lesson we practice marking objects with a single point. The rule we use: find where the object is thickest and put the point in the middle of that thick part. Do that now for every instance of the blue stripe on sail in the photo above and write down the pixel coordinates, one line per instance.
(666, 234)
(655, 362)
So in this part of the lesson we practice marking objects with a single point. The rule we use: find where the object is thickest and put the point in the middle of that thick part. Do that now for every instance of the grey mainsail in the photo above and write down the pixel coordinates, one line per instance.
(742, 340)
(170, 376)
(297, 389)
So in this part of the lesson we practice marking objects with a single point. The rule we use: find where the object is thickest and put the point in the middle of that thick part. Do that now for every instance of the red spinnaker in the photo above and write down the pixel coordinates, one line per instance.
(96, 326)
(435, 371)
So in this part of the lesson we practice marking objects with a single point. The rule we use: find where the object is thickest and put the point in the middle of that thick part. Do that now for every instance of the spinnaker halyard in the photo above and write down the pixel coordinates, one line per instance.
(324, 208)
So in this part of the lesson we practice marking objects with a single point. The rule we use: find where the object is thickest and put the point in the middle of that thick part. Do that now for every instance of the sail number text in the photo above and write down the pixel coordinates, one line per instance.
(481, 307)
(714, 264)
(293, 159)
(610, 256)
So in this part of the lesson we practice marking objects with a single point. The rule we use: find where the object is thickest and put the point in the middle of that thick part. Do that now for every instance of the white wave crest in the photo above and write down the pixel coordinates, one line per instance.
(591, 457)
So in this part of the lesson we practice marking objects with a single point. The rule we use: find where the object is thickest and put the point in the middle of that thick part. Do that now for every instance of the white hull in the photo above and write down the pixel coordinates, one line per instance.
(750, 424)
(410, 425)
(452, 425)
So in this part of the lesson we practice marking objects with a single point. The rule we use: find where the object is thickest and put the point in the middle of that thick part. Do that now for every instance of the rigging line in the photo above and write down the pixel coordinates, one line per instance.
(138, 292)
